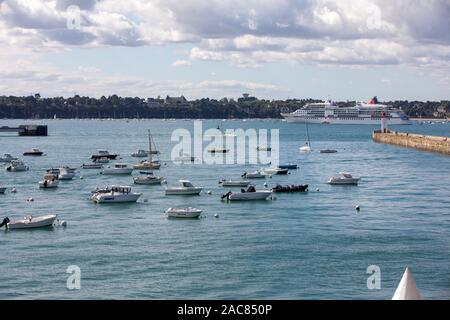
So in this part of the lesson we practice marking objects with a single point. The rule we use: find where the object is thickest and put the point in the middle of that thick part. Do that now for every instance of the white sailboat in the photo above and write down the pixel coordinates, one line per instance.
(307, 147)
(407, 289)
(150, 163)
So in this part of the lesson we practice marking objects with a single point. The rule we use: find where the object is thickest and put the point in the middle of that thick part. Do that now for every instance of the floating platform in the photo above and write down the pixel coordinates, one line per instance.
(27, 130)
(417, 141)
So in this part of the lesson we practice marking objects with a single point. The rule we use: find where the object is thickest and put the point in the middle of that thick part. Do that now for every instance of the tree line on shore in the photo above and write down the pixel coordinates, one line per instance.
(37, 107)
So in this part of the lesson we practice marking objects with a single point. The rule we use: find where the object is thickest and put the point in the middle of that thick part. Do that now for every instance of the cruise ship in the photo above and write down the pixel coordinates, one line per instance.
(362, 113)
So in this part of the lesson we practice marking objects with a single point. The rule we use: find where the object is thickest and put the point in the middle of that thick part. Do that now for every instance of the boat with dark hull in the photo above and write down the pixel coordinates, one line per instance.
(102, 154)
(290, 188)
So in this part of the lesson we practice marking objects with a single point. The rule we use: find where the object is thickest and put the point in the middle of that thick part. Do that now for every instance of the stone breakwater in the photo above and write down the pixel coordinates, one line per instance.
(422, 142)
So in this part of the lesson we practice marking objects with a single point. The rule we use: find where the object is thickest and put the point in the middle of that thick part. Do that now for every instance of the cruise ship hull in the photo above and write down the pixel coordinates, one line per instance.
(392, 121)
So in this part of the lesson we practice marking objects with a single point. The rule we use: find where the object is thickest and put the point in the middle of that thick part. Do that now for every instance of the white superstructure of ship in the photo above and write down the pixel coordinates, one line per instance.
(362, 113)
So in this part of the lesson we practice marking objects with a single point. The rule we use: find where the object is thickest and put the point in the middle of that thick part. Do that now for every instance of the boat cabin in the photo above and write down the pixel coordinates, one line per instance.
(186, 184)
(121, 189)
(120, 165)
(346, 175)
(50, 177)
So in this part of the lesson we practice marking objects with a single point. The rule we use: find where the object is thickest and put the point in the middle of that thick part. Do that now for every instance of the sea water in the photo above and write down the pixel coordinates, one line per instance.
(311, 245)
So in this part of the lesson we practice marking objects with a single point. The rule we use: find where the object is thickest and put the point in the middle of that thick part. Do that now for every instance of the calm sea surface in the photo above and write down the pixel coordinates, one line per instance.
(299, 246)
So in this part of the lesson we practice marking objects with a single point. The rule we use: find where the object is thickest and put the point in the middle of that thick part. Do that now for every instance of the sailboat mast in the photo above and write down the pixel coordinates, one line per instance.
(307, 134)
(149, 146)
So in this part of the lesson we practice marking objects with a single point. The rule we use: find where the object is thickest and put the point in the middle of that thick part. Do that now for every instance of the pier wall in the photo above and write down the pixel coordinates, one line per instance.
(417, 141)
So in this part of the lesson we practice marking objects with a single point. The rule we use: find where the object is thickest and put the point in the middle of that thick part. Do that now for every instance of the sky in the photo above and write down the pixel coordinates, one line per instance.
(272, 49)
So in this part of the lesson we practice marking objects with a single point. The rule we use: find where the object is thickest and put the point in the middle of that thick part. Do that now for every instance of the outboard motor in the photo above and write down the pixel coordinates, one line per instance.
(5, 222)
(226, 195)
(244, 174)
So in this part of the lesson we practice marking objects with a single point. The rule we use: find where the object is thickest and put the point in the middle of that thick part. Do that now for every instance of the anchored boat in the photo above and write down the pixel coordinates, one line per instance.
(246, 195)
(234, 183)
(345, 178)
(117, 194)
(290, 188)
(288, 166)
(33, 152)
(275, 171)
(30, 222)
(104, 154)
(148, 179)
(118, 168)
(66, 173)
(149, 164)
(186, 188)
(183, 212)
(92, 166)
(254, 175)
(16, 165)
(50, 181)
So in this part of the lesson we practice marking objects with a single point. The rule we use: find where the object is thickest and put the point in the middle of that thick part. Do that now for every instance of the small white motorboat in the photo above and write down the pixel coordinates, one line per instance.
(92, 166)
(254, 175)
(117, 194)
(50, 181)
(118, 168)
(148, 179)
(33, 152)
(344, 178)
(2, 190)
(140, 154)
(247, 195)
(234, 183)
(16, 165)
(407, 289)
(183, 212)
(7, 158)
(186, 188)
(30, 222)
(65, 174)
(272, 171)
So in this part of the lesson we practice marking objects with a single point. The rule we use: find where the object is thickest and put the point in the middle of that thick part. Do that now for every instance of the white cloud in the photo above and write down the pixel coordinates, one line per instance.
(181, 63)
(414, 34)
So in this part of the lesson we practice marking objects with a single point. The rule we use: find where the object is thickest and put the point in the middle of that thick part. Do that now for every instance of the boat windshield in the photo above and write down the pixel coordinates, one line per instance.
(121, 189)
(346, 175)
(186, 184)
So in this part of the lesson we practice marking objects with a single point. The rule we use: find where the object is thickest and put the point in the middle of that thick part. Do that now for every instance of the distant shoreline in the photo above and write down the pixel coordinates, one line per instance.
(201, 119)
